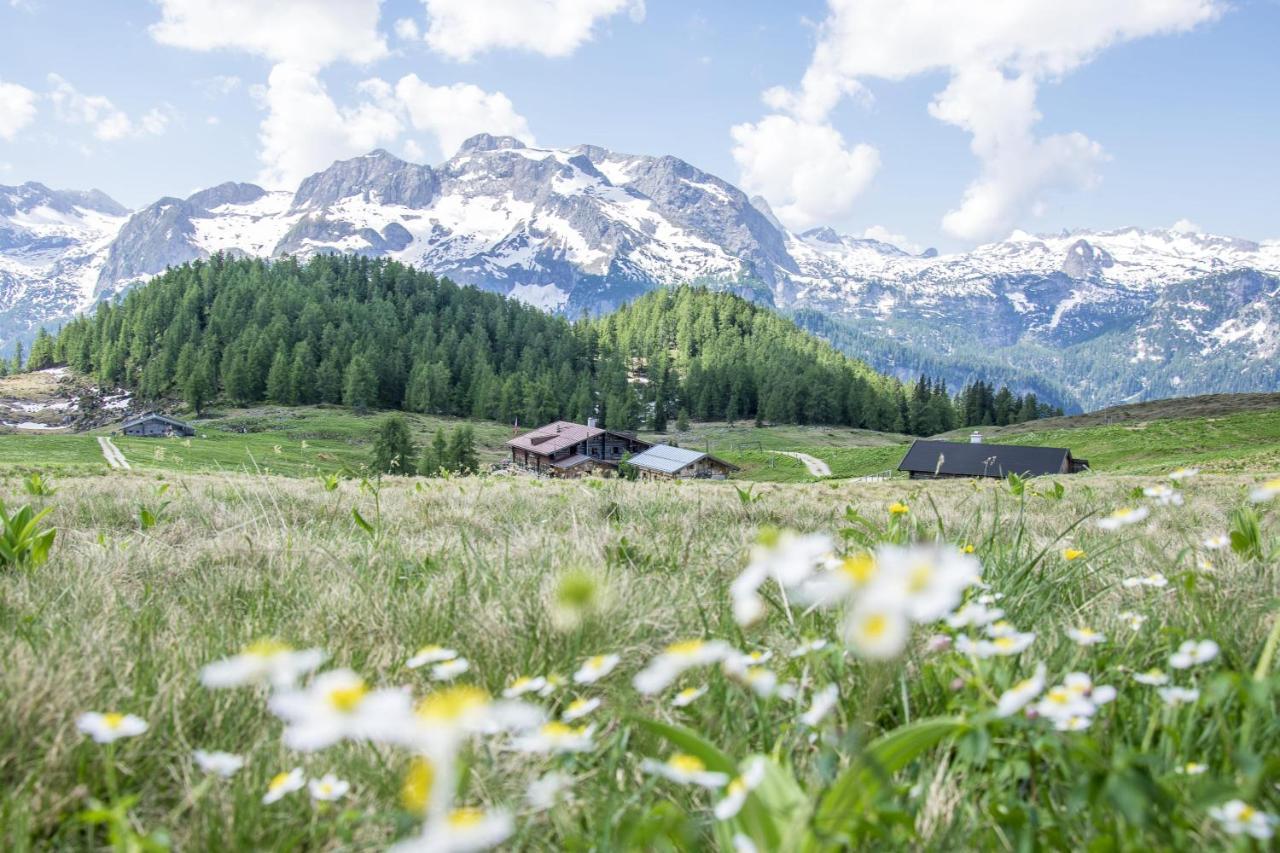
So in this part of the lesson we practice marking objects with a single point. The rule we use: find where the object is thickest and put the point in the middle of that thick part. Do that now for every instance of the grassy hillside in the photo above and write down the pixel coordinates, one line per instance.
(121, 619)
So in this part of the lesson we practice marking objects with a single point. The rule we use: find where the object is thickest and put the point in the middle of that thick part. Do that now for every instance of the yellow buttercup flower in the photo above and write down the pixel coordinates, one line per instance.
(898, 508)
(1070, 554)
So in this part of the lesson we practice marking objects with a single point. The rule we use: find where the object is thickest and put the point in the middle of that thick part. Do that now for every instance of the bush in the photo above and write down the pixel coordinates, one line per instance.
(24, 543)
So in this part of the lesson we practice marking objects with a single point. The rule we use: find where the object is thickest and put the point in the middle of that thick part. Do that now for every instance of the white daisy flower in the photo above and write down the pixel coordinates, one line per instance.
(1123, 517)
(1240, 818)
(787, 558)
(739, 788)
(1004, 645)
(451, 714)
(463, 830)
(1164, 495)
(579, 708)
(1086, 636)
(808, 647)
(676, 659)
(1175, 696)
(328, 788)
(1216, 542)
(742, 660)
(688, 696)
(1073, 723)
(1191, 768)
(338, 705)
(223, 764)
(1183, 473)
(266, 661)
(595, 668)
(429, 655)
(1001, 628)
(450, 669)
(1266, 491)
(743, 844)
(974, 615)
(1155, 580)
(685, 769)
(1135, 621)
(110, 727)
(555, 737)
(1021, 694)
(838, 580)
(1191, 653)
(876, 627)
(1152, 677)
(929, 579)
(544, 792)
(821, 704)
(524, 684)
(283, 784)
(554, 683)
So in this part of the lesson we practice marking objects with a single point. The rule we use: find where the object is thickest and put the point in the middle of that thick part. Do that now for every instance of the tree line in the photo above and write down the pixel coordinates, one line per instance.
(373, 333)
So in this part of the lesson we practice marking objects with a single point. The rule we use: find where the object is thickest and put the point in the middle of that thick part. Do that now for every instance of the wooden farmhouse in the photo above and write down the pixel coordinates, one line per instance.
(155, 425)
(664, 462)
(566, 449)
(939, 459)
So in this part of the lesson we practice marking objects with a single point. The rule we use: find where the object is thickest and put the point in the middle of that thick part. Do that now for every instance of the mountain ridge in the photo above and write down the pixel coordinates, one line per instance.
(586, 229)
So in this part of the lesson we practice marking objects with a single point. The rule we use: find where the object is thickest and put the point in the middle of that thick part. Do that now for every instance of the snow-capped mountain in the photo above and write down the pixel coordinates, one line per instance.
(585, 229)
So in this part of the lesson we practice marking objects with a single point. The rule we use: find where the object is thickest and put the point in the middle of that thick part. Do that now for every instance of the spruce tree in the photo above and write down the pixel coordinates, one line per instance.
(393, 448)
(359, 385)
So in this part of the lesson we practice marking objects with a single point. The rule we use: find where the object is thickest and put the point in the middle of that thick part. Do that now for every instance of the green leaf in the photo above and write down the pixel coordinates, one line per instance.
(360, 522)
(848, 798)
(689, 741)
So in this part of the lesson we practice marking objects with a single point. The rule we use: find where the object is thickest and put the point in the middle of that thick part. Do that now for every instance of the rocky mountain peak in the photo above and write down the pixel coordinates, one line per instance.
(482, 142)
(379, 176)
(1083, 259)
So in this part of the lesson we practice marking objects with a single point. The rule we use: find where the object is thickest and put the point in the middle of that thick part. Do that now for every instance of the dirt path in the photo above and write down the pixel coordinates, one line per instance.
(114, 457)
(816, 466)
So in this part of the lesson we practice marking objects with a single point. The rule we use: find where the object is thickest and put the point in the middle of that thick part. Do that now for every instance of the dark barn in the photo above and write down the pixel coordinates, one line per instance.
(155, 425)
(935, 459)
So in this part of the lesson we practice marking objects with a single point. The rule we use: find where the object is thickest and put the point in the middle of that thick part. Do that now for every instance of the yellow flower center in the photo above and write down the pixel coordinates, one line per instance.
(465, 818)
(557, 730)
(684, 649)
(415, 793)
(1247, 812)
(521, 682)
(737, 786)
(266, 648)
(683, 763)
(1003, 642)
(278, 781)
(1273, 485)
(1059, 696)
(431, 650)
(113, 720)
(873, 627)
(596, 662)
(453, 703)
(919, 577)
(578, 705)
(860, 568)
(968, 549)
(688, 693)
(347, 699)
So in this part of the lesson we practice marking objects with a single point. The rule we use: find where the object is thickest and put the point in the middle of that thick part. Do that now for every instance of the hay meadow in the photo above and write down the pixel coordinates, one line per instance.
(153, 576)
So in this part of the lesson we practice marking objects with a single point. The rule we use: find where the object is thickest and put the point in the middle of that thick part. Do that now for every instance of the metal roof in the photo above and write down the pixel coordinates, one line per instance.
(571, 461)
(665, 458)
(984, 460)
(155, 416)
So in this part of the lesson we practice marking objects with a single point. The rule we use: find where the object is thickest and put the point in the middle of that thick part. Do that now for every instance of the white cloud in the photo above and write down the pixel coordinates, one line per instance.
(997, 53)
(108, 122)
(219, 84)
(304, 33)
(17, 109)
(463, 29)
(305, 130)
(804, 169)
(413, 152)
(884, 235)
(1186, 226)
(407, 29)
(456, 112)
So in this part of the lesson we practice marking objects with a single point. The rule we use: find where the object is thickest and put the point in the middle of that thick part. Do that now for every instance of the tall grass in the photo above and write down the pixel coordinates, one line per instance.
(122, 618)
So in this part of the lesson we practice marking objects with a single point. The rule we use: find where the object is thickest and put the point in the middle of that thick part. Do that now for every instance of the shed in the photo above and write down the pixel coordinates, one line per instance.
(935, 459)
(663, 461)
(567, 449)
(155, 425)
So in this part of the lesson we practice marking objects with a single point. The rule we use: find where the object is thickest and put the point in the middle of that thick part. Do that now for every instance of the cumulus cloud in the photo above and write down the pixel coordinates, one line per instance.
(996, 53)
(804, 169)
(884, 235)
(453, 113)
(305, 130)
(463, 29)
(108, 122)
(17, 109)
(305, 33)
(407, 29)
(1186, 226)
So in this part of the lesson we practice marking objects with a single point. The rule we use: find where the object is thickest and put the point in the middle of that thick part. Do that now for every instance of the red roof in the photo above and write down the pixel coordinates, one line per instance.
(554, 437)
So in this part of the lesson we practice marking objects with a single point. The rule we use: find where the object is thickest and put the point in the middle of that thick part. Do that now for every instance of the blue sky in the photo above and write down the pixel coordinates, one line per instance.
(1135, 121)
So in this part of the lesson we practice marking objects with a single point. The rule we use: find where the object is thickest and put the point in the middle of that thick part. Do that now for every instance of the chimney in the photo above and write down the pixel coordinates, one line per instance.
(591, 422)
(975, 437)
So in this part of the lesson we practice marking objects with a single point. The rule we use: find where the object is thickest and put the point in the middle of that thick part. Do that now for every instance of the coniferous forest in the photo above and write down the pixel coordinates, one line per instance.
(371, 333)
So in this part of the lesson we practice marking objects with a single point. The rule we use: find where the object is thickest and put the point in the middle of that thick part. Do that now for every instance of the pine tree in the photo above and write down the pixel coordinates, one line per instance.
(435, 456)
(279, 389)
(393, 448)
(16, 365)
(359, 385)
(461, 452)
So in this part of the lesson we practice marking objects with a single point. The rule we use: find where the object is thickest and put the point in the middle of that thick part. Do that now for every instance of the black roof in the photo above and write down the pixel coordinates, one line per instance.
(983, 460)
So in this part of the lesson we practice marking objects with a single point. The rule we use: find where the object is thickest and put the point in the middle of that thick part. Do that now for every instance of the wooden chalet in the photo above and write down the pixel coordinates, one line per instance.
(155, 425)
(939, 459)
(664, 462)
(567, 449)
